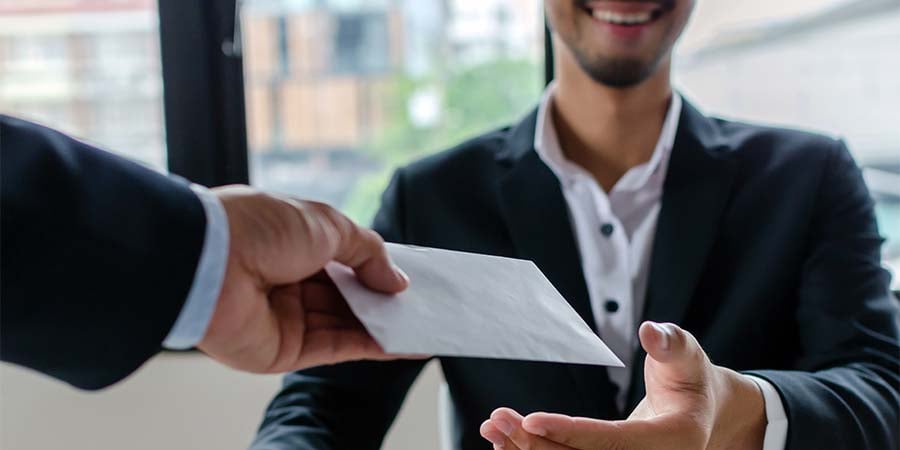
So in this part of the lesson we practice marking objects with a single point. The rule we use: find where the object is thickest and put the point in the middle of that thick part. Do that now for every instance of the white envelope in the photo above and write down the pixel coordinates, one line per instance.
(465, 304)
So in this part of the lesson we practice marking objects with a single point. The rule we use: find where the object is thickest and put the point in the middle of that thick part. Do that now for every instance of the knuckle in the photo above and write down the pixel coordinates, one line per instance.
(694, 387)
(378, 243)
(330, 220)
(367, 245)
(376, 237)
(323, 210)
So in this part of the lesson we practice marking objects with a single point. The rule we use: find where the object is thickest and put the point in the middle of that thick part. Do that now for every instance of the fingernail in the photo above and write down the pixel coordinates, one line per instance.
(502, 425)
(663, 335)
(400, 273)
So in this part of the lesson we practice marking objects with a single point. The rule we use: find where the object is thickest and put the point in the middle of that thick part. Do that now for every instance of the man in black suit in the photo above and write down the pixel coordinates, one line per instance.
(104, 262)
(760, 243)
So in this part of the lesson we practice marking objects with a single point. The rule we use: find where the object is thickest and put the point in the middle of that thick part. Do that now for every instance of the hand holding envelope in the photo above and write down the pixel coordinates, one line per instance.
(470, 305)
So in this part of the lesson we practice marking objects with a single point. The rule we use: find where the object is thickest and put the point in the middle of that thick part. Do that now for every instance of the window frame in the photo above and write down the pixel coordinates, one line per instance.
(203, 91)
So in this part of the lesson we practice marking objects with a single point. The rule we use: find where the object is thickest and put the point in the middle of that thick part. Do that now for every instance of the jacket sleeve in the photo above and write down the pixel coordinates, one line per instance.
(98, 255)
(845, 393)
(344, 406)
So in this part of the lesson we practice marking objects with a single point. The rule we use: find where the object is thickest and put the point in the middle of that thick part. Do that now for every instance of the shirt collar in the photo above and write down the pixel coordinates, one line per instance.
(546, 143)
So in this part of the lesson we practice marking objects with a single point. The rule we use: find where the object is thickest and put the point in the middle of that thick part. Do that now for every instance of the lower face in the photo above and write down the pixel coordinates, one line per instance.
(619, 43)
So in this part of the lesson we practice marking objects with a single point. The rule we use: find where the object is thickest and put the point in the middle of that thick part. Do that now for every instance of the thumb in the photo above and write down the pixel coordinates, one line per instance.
(675, 354)
(679, 379)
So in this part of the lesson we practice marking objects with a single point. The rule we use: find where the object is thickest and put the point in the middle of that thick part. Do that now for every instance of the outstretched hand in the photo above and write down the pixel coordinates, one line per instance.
(690, 404)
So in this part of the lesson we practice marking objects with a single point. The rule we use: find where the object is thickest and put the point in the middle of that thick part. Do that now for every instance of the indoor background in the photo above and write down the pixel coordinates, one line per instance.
(324, 98)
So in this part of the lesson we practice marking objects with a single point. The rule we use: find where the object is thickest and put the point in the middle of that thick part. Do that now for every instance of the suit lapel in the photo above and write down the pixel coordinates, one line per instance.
(538, 221)
(537, 218)
(696, 191)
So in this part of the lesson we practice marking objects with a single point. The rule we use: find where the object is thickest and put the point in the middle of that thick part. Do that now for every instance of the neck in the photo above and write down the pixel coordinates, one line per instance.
(603, 129)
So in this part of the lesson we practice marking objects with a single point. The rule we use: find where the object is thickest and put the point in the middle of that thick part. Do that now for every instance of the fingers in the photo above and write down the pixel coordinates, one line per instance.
(363, 250)
(289, 328)
(324, 298)
(490, 432)
(310, 337)
(283, 240)
(575, 432)
(667, 431)
(504, 430)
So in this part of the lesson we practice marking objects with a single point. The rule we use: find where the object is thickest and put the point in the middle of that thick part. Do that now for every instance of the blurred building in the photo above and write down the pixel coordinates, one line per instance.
(316, 71)
(89, 67)
(312, 74)
(325, 78)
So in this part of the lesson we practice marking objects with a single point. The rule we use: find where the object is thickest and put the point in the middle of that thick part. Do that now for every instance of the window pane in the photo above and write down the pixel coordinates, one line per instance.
(88, 67)
(339, 93)
(828, 66)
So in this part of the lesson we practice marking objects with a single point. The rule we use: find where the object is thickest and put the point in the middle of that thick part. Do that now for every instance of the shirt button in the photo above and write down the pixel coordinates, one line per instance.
(611, 305)
(607, 229)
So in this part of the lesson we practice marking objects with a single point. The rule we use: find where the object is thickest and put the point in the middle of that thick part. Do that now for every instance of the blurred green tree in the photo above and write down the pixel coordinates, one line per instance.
(472, 101)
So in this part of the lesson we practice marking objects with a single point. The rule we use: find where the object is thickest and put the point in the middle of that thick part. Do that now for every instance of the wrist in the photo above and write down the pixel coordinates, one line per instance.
(741, 416)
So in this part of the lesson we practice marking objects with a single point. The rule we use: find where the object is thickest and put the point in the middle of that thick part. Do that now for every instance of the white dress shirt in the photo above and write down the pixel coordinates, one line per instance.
(615, 232)
(191, 324)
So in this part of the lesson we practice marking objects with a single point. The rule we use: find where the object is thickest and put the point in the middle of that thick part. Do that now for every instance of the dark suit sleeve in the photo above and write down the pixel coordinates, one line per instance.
(98, 255)
(846, 392)
(344, 406)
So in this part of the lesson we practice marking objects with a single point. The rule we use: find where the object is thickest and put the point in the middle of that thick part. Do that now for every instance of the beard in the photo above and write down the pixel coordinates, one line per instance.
(617, 72)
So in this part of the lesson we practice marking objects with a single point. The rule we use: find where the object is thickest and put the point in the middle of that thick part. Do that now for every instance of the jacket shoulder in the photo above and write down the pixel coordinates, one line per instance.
(773, 143)
(475, 154)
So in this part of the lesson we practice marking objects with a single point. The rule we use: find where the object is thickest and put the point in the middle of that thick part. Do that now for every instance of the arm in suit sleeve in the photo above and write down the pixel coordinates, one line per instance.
(345, 406)
(98, 256)
(846, 391)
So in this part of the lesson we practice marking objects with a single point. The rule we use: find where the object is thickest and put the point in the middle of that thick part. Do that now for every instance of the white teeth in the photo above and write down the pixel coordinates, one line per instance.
(622, 19)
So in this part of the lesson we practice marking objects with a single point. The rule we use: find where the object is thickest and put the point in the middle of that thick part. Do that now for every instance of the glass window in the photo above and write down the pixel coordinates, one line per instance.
(339, 93)
(89, 68)
(828, 66)
(363, 40)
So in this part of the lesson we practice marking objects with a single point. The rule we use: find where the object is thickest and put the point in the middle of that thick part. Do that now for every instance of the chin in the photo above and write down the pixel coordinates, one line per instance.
(618, 72)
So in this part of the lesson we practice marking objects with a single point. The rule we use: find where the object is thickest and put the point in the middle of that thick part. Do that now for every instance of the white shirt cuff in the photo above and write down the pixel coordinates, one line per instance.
(192, 322)
(777, 427)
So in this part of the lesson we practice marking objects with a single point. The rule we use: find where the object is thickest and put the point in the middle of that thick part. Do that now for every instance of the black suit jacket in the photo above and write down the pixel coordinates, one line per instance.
(97, 256)
(766, 249)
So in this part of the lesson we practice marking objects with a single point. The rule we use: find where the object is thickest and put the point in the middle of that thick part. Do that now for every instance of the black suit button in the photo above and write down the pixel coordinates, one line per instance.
(607, 229)
(611, 305)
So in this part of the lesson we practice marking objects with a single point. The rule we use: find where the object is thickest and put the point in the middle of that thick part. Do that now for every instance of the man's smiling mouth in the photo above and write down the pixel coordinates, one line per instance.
(626, 13)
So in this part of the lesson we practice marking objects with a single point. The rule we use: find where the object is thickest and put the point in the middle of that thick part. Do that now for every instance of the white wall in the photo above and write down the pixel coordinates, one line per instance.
(841, 80)
(176, 402)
